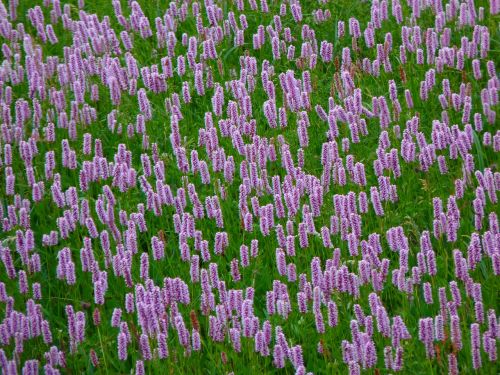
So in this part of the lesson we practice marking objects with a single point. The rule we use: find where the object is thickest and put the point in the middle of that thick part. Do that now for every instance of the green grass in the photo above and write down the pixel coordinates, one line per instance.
(413, 211)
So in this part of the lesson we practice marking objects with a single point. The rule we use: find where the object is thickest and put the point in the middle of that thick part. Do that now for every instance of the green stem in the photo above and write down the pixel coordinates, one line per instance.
(102, 350)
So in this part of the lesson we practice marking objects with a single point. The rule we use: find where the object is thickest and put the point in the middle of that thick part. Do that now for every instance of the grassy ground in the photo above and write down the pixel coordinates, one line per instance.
(413, 210)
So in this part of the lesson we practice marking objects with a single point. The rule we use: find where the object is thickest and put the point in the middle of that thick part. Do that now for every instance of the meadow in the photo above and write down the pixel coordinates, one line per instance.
(249, 187)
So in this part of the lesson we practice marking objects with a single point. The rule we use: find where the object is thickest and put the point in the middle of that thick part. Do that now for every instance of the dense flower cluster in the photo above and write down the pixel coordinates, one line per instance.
(274, 182)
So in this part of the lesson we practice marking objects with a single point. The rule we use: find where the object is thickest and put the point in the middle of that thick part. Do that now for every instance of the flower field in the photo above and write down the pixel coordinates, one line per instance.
(249, 187)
